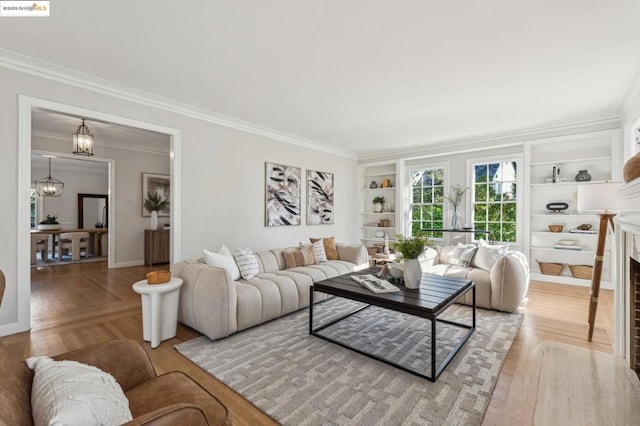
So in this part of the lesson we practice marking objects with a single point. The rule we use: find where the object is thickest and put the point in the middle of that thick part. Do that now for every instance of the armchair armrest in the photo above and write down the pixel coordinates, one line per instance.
(177, 414)
(125, 360)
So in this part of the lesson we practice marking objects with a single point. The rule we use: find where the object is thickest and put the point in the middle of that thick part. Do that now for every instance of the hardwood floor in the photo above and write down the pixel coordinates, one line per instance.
(76, 305)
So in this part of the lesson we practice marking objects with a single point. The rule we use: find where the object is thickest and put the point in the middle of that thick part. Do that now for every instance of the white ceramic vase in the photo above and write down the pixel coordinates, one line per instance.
(377, 207)
(412, 273)
(154, 220)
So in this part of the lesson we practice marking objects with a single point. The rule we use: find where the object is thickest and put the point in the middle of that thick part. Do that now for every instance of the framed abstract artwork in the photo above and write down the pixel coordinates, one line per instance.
(153, 184)
(319, 198)
(283, 193)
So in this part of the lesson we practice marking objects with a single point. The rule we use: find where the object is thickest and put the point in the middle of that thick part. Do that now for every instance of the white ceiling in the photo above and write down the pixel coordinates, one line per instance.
(360, 75)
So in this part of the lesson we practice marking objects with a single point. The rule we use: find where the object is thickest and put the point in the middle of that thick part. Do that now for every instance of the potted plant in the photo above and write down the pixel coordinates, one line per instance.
(378, 202)
(154, 204)
(411, 248)
(50, 223)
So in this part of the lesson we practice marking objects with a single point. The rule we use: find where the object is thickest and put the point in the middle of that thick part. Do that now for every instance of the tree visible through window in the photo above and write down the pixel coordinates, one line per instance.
(494, 201)
(427, 199)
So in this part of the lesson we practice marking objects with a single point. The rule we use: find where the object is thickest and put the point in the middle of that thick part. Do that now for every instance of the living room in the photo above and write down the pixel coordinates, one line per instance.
(220, 140)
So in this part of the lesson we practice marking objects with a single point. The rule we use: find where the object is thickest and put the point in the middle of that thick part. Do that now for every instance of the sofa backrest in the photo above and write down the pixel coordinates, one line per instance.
(270, 260)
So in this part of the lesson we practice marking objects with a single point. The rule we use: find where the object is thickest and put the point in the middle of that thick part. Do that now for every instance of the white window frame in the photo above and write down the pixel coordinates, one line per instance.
(444, 165)
(519, 160)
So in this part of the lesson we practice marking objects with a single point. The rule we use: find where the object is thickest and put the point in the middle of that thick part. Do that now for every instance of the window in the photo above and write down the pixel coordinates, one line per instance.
(427, 199)
(495, 192)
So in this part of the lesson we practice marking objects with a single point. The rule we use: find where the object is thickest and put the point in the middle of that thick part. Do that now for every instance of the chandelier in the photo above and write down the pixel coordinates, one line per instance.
(83, 141)
(49, 186)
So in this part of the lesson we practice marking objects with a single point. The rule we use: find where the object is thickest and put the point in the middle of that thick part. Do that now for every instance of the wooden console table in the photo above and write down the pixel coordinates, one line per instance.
(156, 246)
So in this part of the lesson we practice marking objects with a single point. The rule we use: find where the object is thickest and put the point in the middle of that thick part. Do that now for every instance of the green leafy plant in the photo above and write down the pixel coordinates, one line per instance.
(155, 202)
(377, 200)
(50, 220)
(412, 247)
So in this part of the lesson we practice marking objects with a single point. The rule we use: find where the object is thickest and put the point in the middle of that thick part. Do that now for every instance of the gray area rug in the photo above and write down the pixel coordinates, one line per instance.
(300, 379)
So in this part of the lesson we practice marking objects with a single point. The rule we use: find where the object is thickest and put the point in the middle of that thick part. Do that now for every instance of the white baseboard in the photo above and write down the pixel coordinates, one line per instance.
(127, 264)
(13, 328)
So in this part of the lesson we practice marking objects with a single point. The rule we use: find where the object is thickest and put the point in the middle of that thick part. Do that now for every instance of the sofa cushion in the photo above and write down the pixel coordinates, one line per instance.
(318, 251)
(247, 263)
(487, 255)
(329, 247)
(223, 259)
(302, 256)
(69, 392)
(462, 254)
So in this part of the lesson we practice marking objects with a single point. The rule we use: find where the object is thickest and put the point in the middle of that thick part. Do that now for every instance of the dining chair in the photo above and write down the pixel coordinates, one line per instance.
(76, 242)
(39, 243)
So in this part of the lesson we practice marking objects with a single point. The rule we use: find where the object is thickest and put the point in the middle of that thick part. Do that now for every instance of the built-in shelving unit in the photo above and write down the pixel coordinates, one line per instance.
(596, 152)
(371, 231)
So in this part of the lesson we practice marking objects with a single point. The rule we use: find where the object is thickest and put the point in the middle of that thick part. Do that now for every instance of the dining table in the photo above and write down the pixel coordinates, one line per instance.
(95, 238)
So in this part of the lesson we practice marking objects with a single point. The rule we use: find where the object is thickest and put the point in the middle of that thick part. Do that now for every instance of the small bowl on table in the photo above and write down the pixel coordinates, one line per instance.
(556, 228)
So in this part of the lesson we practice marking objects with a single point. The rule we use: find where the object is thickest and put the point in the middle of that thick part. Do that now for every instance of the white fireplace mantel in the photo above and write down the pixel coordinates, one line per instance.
(628, 245)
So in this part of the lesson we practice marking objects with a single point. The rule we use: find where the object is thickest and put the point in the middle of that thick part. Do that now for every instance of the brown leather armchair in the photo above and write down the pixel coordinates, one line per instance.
(169, 399)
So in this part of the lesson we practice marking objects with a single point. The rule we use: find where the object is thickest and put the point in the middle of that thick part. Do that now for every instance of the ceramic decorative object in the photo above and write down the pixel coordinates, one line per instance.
(154, 220)
(583, 176)
(379, 234)
(557, 207)
(412, 273)
(373, 184)
(44, 227)
(631, 169)
(377, 207)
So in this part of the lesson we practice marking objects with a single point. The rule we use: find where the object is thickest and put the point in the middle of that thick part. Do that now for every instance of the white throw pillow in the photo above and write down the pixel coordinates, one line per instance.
(318, 251)
(462, 254)
(223, 259)
(247, 263)
(487, 255)
(72, 393)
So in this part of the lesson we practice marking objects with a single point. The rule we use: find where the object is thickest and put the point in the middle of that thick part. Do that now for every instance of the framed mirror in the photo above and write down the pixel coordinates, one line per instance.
(93, 211)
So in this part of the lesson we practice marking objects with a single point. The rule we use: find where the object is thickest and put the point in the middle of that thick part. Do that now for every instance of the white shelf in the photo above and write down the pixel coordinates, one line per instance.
(377, 240)
(377, 227)
(575, 160)
(560, 215)
(555, 250)
(393, 188)
(568, 183)
(564, 234)
(382, 213)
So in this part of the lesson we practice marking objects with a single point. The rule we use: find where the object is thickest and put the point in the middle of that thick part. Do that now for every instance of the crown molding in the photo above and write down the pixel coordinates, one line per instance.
(490, 140)
(47, 70)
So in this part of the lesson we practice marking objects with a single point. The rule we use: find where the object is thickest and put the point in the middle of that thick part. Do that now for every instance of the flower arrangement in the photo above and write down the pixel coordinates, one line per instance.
(412, 247)
(378, 200)
(456, 195)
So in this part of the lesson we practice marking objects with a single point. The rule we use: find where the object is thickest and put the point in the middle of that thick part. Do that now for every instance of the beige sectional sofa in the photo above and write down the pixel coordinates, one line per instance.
(214, 304)
(501, 276)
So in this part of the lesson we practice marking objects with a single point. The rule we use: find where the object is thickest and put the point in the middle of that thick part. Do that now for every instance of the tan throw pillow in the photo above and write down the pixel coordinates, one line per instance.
(329, 247)
(301, 257)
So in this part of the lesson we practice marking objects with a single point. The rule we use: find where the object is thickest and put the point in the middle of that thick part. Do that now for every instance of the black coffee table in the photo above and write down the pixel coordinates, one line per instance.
(435, 295)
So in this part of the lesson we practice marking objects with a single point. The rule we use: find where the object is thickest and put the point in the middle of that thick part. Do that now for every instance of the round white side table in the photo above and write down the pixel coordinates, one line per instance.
(159, 309)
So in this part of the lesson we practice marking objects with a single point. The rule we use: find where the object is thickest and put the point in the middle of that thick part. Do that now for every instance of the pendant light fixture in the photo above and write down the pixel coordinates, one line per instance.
(83, 141)
(49, 186)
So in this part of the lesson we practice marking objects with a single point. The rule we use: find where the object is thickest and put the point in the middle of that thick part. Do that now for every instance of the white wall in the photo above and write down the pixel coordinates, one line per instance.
(221, 191)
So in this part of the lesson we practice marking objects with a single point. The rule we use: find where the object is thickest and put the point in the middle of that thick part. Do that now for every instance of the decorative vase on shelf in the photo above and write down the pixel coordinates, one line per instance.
(154, 220)
(631, 169)
(377, 207)
(583, 176)
(455, 221)
(373, 184)
(412, 273)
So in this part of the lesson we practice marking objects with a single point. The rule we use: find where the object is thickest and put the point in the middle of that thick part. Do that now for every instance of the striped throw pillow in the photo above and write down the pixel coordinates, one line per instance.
(301, 257)
(318, 251)
(247, 263)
